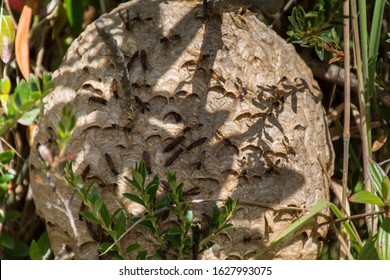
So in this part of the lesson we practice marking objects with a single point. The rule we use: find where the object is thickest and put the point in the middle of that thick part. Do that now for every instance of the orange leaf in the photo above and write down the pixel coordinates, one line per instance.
(22, 51)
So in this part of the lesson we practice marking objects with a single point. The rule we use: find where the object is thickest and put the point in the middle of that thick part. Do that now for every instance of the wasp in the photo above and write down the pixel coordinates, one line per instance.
(170, 160)
(111, 164)
(141, 104)
(127, 21)
(131, 60)
(200, 160)
(85, 172)
(164, 184)
(146, 158)
(198, 142)
(193, 191)
(173, 144)
(98, 100)
(114, 88)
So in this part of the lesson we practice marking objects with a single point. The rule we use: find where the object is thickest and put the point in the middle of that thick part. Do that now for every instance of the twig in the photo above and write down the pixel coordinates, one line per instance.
(130, 228)
(350, 218)
(342, 242)
(262, 205)
(347, 119)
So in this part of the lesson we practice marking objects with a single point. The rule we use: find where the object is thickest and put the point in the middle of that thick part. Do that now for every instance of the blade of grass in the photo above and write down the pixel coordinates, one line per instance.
(297, 225)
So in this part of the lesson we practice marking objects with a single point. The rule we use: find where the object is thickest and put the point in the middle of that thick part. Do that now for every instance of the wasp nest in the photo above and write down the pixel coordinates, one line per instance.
(222, 101)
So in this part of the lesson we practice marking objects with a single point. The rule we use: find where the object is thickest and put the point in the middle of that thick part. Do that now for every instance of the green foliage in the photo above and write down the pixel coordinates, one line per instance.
(186, 239)
(380, 182)
(40, 250)
(316, 28)
(22, 106)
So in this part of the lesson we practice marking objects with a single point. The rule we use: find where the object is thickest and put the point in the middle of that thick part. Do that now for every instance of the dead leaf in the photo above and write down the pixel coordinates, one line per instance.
(7, 37)
(378, 143)
(22, 51)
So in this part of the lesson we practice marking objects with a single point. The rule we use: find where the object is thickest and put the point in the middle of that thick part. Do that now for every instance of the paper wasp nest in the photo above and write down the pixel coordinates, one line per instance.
(224, 102)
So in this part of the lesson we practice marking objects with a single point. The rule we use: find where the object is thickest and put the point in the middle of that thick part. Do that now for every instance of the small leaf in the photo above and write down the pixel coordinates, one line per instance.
(120, 223)
(22, 52)
(74, 12)
(29, 117)
(376, 175)
(35, 251)
(7, 37)
(366, 197)
(134, 184)
(142, 255)
(12, 215)
(6, 157)
(383, 242)
(105, 215)
(138, 178)
(90, 217)
(152, 187)
(132, 247)
(369, 251)
(7, 241)
(134, 198)
(386, 189)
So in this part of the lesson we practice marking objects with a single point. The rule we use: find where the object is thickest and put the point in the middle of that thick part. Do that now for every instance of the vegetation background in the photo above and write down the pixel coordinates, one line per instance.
(349, 56)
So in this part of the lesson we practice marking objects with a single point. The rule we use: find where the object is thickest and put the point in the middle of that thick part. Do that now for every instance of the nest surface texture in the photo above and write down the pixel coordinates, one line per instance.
(228, 84)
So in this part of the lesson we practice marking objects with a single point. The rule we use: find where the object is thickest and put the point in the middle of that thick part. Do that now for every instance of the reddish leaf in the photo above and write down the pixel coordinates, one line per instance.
(7, 37)
(22, 51)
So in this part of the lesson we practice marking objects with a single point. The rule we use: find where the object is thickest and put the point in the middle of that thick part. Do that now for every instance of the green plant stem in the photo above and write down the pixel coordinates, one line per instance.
(216, 232)
(347, 121)
(362, 107)
(347, 104)
(375, 34)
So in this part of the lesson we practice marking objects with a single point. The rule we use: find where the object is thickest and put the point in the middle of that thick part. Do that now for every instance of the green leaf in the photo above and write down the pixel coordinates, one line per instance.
(297, 225)
(216, 214)
(5, 88)
(22, 96)
(134, 198)
(386, 189)
(133, 183)
(105, 245)
(105, 215)
(142, 255)
(6, 157)
(74, 13)
(29, 117)
(35, 251)
(351, 233)
(138, 179)
(152, 187)
(132, 247)
(7, 38)
(383, 242)
(90, 217)
(173, 235)
(366, 197)
(369, 251)
(120, 223)
(7, 176)
(376, 175)
(12, 215)
(47, 83)
(6, 241)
